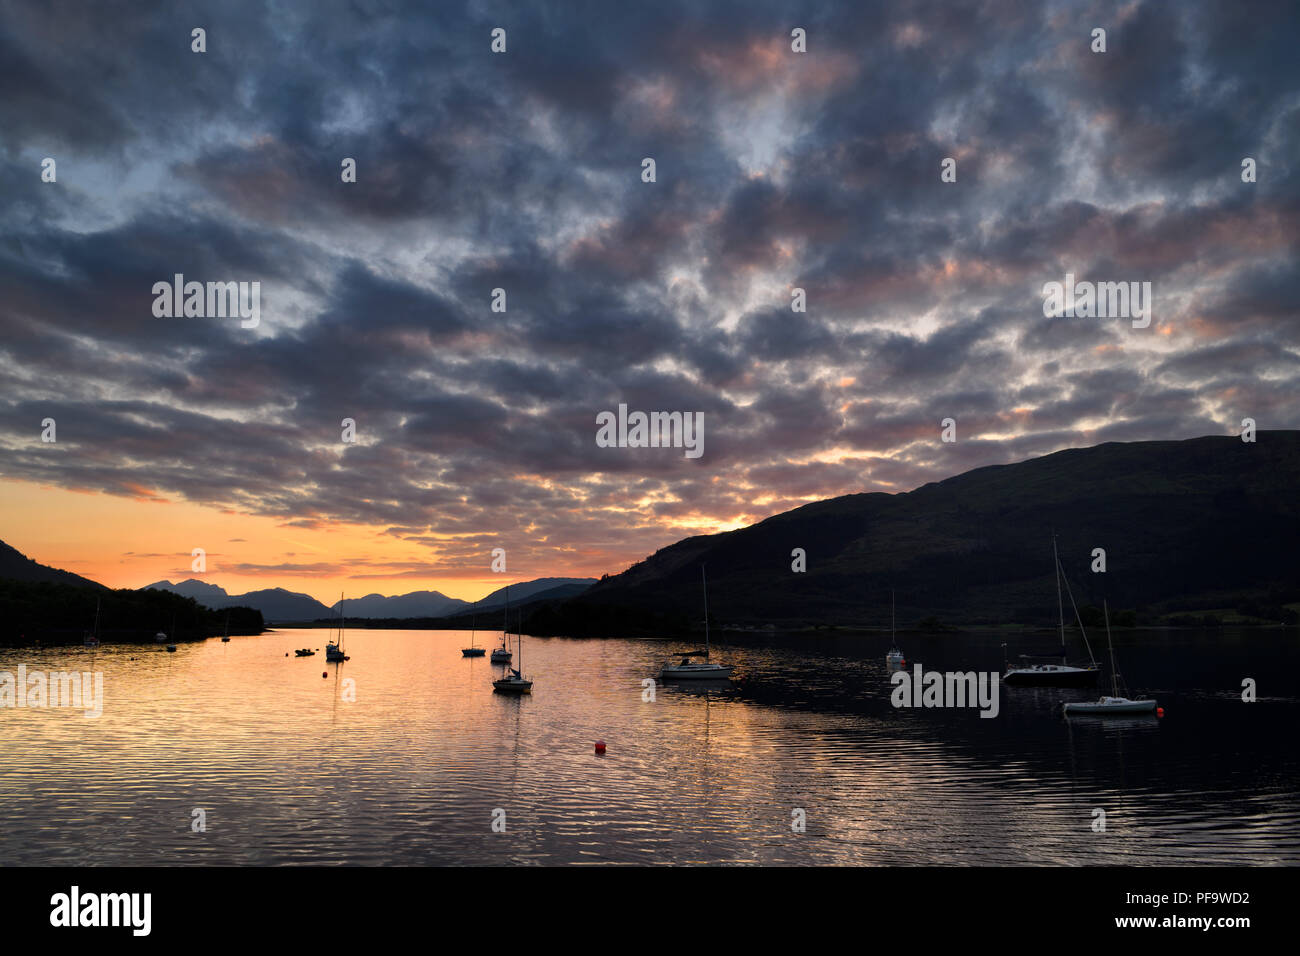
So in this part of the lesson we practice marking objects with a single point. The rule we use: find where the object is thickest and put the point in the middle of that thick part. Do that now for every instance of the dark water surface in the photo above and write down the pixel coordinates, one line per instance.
(412, 771)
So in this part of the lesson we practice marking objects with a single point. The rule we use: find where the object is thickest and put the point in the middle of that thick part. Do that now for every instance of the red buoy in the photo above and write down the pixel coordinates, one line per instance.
(1160, 711)
(600, 746)
(324, 673)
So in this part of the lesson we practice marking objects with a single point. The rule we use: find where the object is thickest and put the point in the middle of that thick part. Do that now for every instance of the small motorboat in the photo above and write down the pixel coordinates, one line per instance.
(171, 648)
(501, 656)
(304, 652)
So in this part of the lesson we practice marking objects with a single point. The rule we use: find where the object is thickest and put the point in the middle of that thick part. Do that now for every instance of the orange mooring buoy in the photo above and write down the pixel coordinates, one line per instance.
(600, 746)
(324, 673)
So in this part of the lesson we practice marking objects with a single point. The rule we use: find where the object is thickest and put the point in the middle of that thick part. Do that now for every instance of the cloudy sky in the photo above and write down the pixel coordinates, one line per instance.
(523, 171)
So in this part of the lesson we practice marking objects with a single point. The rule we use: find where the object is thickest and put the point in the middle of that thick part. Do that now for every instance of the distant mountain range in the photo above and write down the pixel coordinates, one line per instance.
(279, 605)
(276, 604)
(1204, 524)
(412, 604)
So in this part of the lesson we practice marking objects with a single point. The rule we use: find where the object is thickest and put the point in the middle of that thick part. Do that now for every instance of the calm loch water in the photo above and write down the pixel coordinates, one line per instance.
(288, 772)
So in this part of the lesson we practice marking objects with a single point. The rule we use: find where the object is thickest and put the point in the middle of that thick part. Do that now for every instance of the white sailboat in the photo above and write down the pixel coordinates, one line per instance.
(894, 660)
(1115, 703)
(689, 669)
(334, 649)
(1063, 674)
(502, 654)
(225, 638)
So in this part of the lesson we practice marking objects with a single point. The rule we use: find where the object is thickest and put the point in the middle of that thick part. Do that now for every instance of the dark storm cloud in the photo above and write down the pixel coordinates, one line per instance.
(523, 172)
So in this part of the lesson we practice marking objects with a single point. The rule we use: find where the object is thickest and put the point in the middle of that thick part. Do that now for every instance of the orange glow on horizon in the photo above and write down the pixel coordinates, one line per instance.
(128, 542)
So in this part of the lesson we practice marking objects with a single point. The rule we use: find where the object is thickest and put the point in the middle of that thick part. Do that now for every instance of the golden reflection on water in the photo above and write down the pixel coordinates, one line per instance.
(288, 769)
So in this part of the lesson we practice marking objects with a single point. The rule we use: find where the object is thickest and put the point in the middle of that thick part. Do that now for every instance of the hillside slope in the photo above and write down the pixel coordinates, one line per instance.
(1201, 523)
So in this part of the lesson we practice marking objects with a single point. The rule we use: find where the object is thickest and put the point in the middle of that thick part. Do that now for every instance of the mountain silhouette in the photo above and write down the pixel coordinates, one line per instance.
(1196, 524)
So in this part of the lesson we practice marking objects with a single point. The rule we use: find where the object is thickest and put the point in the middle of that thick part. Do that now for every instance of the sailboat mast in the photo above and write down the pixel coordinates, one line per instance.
(891, 617)
(1114, 675)
(707, 648)
(1060, 608)
(341, 621)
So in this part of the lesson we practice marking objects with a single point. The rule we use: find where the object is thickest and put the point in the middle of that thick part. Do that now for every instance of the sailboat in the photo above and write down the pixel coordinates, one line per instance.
(514, 682)
(1063, 674)
(689, 669)
(502, 654)
(92, 639)
(1115, 703)
(225, 638)
(334, 649)
(473, 650)
(894, 659)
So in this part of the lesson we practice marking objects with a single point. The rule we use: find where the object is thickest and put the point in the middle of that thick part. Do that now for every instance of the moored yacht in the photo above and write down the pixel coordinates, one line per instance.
(894, 660)
(502, 654)
(92, 639)
(514, 682)
(334, 649)
(473, 650)
(690, 669)
(1063, 674)
(1115, 703)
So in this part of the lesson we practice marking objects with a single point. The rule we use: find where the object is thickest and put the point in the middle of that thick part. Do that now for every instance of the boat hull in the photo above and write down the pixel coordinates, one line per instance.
(695, 672)
(512, 686)
(499, 658)
(1109, 705)
(472, 651)
(1052, 676)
